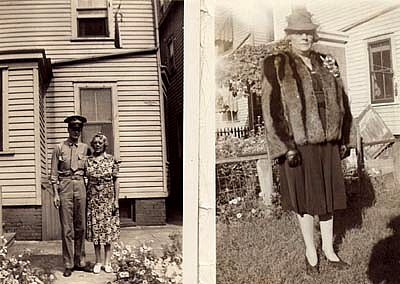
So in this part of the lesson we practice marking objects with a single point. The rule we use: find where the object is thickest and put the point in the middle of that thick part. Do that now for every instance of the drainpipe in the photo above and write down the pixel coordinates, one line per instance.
(163, 122)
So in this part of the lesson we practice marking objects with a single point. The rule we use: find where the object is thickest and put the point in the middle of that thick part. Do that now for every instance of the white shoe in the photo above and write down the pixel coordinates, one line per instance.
(97, 268)
(108, 268)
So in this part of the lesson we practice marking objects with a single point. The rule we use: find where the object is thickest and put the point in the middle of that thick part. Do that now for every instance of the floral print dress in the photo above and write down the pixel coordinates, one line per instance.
(103, 227)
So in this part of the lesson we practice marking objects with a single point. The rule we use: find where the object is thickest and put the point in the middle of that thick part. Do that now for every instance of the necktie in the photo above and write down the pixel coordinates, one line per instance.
(74, 157)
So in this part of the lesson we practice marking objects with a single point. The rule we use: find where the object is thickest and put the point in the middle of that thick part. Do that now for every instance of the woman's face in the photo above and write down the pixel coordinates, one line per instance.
(302, 41)
(98, 145)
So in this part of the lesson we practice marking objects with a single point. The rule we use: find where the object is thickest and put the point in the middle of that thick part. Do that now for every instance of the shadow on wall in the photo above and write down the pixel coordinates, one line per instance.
(384, 264)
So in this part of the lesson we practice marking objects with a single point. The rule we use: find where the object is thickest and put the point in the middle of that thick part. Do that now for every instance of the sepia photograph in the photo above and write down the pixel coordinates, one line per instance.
(307, 141)
(91, 148)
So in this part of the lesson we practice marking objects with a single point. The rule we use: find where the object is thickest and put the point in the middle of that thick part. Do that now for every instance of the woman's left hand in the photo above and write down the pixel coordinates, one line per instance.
(116, 205)
(344, 152)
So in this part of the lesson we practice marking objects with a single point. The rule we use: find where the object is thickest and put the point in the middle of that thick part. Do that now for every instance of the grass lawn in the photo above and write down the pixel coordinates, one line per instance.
(271, 250)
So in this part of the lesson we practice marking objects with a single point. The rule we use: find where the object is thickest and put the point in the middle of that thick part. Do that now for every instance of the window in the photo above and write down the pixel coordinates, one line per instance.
(92, 18)
(230, 116)
(381, 71)
(96, 106)
(171, 55)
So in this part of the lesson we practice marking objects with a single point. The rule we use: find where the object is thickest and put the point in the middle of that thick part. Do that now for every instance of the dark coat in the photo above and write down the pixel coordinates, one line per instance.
(290, 107)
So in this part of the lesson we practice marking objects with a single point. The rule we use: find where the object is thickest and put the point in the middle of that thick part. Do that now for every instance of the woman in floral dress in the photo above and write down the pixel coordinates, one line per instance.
(102, 196)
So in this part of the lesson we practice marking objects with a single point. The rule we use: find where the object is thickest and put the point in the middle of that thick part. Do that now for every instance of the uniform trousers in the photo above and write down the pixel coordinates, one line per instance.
(72, 192)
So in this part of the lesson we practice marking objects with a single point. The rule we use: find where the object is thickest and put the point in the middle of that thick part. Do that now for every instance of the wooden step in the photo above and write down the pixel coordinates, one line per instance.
(10, 238)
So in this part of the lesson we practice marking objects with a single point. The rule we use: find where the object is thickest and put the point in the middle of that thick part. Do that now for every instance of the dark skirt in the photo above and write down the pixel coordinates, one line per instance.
(316, 187)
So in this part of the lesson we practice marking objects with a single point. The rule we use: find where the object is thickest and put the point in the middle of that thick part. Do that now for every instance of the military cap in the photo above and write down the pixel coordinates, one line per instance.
(75, 120)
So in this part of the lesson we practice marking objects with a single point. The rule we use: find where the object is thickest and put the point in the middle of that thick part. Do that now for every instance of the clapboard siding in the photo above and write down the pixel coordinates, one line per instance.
(18, 172)
(139, 117)
(330, 15)
(358, 65)
(48, 25)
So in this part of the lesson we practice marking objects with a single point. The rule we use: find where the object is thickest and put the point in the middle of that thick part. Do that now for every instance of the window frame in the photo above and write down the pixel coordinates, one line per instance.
(4, 110)
(368, 42)
(114, 108)
(74, 22)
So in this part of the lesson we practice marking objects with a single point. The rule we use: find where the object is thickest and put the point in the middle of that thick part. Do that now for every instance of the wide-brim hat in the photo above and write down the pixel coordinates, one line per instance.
(75, 120)
(300, 20)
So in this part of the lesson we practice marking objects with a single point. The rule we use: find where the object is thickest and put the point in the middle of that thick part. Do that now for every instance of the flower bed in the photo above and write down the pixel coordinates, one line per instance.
(141, 265)
(238, 188)
(18, 269)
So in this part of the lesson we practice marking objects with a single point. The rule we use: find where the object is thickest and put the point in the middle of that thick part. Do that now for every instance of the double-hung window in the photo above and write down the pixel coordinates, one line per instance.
(381, 71)
(96, 106)
(92, 18)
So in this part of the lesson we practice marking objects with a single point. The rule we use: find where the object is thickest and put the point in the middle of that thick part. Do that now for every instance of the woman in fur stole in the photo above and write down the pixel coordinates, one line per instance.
(308, 123)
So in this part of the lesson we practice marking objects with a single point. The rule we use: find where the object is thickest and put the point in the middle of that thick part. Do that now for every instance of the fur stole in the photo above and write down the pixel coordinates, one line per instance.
(290, 106)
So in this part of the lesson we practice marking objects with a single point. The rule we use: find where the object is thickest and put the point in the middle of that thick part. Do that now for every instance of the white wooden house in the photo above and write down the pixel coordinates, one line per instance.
(370, 33)
(239, 23)
(62, 57)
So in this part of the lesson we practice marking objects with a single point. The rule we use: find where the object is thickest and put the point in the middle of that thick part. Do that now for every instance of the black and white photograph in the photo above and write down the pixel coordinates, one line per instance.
(91, 141)
(307, 141)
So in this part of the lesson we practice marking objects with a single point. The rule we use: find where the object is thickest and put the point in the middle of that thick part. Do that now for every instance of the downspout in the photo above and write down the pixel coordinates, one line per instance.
(162, 113)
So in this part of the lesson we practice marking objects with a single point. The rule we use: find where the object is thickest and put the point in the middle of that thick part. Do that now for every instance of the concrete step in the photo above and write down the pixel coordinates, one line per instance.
(127, 222)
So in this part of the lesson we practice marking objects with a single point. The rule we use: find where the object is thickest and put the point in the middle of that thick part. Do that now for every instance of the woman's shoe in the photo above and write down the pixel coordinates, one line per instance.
(310, 269)
(339, 265)
(108, 268)
(97, 268)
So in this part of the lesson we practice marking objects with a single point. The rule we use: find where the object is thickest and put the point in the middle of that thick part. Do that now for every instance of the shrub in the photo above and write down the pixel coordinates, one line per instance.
(230, 146)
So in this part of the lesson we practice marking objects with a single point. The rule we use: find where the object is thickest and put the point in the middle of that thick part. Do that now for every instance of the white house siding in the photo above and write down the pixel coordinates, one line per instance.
(358, 65)
(18, 171)
(139, 117)
(242, 116)
(47, 24)
(330, 15)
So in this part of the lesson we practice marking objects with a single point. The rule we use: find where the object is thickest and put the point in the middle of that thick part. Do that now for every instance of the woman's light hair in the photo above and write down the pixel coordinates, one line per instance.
(102, 137)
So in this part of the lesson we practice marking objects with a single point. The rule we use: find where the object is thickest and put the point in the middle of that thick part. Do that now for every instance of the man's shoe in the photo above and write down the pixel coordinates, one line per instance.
(67, 272)
(85, 268)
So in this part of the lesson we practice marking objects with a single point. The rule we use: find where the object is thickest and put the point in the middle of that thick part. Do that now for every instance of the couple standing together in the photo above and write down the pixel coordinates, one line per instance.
(87, 209)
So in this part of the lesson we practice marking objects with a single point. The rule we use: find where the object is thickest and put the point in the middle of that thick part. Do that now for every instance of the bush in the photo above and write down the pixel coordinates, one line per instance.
(18, 269)
(231, 147)
(141, 265)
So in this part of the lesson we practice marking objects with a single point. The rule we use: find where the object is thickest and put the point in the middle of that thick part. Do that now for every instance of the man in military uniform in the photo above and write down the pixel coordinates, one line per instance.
(67, 170)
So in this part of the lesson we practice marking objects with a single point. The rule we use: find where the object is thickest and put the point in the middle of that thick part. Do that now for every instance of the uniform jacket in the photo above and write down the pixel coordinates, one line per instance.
(68, 159)
(290, 107)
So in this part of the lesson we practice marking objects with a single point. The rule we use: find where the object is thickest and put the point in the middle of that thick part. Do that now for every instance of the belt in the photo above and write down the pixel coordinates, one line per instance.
(95, 181)
(74, 177)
